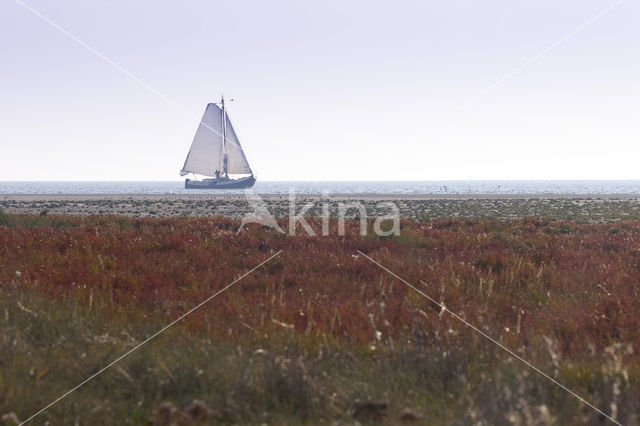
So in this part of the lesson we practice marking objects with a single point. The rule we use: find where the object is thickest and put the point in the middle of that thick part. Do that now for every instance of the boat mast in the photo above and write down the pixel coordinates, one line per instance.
(224, 138)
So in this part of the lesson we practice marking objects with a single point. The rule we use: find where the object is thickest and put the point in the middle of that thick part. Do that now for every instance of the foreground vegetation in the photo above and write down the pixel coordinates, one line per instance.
(318, 334)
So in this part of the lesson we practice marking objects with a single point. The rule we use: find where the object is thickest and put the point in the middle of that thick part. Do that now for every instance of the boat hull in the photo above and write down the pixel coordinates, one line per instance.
(245, 182)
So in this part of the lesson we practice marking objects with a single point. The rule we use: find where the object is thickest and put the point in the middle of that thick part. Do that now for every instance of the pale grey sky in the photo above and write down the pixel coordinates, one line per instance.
(328, 90)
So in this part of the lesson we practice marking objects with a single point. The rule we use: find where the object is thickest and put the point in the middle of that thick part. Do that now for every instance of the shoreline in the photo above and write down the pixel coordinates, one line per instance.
(335, 197)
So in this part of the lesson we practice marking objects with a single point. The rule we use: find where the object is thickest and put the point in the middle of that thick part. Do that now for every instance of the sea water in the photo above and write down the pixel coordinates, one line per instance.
(334, 187)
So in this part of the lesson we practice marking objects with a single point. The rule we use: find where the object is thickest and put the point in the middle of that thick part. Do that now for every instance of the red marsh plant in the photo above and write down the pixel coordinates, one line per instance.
(561, 294)
(577, 283)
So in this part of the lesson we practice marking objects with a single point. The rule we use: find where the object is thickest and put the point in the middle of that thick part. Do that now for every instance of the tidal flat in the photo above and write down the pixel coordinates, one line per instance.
(319, 334)
(581, 208)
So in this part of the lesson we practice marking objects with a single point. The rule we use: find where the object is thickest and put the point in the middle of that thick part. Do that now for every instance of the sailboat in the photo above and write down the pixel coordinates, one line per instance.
(216, 153)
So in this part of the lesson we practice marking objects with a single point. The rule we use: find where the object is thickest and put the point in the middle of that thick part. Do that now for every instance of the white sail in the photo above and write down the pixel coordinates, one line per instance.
(236, 160)
(205, 155)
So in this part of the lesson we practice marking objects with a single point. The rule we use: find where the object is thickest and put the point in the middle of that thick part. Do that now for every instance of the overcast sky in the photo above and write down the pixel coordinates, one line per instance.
(334, 90)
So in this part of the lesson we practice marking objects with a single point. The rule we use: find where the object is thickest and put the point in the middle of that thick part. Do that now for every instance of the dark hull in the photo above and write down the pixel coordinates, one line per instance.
(245, 182)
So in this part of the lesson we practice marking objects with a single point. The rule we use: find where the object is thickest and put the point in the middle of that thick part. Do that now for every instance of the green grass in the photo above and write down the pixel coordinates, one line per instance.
(50, 346)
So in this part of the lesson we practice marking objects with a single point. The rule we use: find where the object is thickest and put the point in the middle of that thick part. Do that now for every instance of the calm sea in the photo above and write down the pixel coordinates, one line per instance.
(336, 188)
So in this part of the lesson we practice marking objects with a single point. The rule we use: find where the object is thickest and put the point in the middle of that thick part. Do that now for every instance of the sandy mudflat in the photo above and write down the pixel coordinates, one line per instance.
(587, 207)
(159, 197)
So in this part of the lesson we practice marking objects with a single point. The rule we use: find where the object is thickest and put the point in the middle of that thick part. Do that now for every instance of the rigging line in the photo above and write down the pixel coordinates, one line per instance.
(520, 67)
(118, 67)
(190, 311)
(485, 335)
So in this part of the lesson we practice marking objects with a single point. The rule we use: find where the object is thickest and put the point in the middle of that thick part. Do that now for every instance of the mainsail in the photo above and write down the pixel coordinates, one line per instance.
(208, 150)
